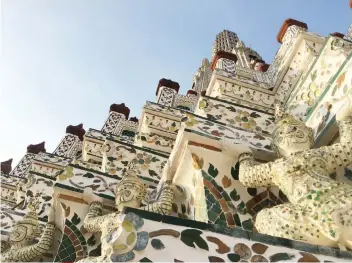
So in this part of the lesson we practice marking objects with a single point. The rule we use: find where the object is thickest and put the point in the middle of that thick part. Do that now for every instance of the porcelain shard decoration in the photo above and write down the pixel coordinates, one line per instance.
(198, 170)
(319, 207)
(120, 234)
(22, 245)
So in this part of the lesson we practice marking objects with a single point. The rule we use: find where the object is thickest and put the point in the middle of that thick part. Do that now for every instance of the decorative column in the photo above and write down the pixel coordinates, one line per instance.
(25, 163)
(72, 142)
(224, 61)
(286, 25)
(166, 92)
(128, 130)
(288, 33)
(117, 115)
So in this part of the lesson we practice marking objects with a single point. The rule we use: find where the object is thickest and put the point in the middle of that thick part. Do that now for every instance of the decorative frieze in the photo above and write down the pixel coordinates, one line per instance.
(166, 96)
(236, 116)
(24, 164)
(71, 144)
(318, 80)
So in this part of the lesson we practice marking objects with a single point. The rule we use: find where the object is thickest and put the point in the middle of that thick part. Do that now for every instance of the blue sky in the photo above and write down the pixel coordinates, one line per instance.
(65, 62)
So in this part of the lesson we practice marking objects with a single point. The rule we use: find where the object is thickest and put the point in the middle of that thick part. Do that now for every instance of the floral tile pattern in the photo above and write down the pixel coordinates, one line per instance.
(236, 116)
(306, 95)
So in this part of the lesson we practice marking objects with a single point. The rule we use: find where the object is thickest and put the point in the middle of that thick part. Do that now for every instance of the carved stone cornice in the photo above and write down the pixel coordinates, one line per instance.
(223, 54)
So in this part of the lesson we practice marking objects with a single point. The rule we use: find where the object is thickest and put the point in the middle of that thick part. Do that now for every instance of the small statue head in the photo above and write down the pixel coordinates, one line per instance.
(130, 191)
(25, 231)
(290, 135)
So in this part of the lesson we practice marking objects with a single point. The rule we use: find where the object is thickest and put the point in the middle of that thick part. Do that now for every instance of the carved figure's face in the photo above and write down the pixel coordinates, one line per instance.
(290, 136)
(22, 234)
(130, 193)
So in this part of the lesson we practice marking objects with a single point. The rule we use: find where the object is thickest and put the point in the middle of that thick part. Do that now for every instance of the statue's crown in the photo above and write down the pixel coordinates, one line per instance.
(131, 176)
(31, 218)
(280, 113)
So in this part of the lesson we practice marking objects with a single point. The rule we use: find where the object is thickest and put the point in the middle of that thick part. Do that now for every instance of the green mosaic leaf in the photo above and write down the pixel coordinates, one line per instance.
(154, 159)
(191, 237)
(157, 244)
(152, 173)
(213, 171)
(46, 198)
(145, 259)
(111, 159)
(280, 257)
(254, 115)
(88, 175)
(241, 208)
(233, 257)
(230, 108)
(234, 173)
(211, 117)
(234, 196)
(49, 183)
(75, 219)
(247, 224)
(95, 252)
(91, 241)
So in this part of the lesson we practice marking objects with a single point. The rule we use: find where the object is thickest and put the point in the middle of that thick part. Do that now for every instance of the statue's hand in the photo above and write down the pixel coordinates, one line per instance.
(51, 215)
(233, 150)
(90, 197)
(346, 110)
(168, 174)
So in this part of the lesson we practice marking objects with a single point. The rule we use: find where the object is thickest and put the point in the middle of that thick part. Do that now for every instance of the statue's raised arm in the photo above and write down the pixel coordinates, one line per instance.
(251, 173)
(163, 204)
(340, 154)
(22, 238)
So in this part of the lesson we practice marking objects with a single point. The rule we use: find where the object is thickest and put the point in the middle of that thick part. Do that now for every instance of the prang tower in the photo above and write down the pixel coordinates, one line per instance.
(197, 176)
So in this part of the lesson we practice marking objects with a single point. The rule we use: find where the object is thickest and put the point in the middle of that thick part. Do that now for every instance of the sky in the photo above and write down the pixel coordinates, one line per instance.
(65, 62)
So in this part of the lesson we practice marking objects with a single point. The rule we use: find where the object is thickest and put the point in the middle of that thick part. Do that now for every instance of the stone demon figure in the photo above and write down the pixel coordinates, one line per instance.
(320, 208)
(22, 246)
(118, 234)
